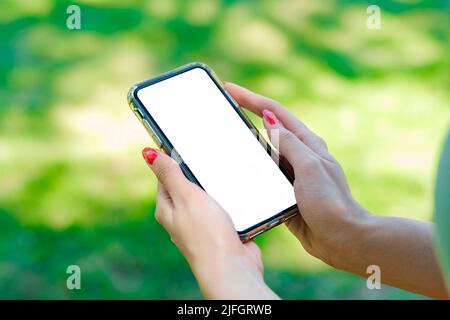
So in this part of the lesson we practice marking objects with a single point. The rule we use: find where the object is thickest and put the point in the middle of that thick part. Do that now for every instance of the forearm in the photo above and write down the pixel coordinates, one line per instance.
(230, 278)
(404, 251)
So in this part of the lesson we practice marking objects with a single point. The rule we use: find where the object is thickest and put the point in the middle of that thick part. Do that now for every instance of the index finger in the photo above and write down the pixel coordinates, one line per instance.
(168, 172)
(256, 103)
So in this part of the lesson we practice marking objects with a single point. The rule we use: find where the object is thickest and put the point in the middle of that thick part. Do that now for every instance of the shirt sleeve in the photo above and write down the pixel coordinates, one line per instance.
(442, 210)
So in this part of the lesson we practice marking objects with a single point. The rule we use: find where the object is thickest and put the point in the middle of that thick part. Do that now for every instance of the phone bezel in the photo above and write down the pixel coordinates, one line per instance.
(162, 141)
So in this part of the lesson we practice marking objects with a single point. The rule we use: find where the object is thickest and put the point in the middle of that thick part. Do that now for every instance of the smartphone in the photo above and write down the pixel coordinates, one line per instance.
(190, 115)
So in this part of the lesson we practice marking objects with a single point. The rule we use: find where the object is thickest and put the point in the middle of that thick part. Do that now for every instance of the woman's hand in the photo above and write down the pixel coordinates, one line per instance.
(330, 218)
(224, 267)
(332, 225)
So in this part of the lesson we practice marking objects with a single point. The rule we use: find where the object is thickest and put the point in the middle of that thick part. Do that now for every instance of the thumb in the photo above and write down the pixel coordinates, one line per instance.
(167, 172)
(287, 143)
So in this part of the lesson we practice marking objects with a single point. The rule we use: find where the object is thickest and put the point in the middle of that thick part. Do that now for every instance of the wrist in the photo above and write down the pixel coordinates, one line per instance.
(348, 252)
(229, 276)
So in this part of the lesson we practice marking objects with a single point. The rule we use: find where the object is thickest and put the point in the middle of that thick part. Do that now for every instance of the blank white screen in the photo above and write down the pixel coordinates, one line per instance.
(217, 146)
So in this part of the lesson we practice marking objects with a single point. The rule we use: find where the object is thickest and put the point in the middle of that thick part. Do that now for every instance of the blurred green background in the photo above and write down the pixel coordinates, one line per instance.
(75, 190)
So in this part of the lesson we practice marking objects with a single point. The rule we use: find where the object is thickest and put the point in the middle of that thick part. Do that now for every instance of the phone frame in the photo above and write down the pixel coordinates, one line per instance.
(164, 143)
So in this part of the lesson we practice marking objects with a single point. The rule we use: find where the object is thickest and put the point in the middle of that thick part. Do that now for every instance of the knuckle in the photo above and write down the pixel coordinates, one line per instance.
(322, 142)
(274, 103)
(311, 162)
(298, 185)
(286, 135)
(300, 134)
(158, 215)
(162, 173)
(189, 196)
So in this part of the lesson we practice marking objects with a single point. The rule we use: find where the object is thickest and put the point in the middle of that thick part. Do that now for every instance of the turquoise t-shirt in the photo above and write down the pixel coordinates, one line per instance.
(442, 211)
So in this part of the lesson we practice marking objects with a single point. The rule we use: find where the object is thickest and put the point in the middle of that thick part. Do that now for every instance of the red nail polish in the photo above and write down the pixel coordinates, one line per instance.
(270, 117)
(149, 155)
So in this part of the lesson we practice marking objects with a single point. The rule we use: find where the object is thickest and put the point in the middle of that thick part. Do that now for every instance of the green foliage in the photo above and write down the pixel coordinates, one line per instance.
(74, 189)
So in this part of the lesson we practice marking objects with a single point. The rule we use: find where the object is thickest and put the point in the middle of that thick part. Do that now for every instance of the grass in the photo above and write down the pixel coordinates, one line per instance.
(74, 190)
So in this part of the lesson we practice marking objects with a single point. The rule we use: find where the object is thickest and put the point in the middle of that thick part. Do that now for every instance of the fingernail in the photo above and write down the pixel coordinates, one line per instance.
(149, 155)
(270, 117)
